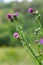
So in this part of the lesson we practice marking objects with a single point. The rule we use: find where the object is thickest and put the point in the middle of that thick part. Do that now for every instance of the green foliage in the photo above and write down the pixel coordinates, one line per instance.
(25, 19)
(16, 56)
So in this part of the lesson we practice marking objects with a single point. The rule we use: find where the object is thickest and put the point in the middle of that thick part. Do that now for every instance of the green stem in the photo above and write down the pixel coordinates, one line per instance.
(17, 27)
(39, 50)
(39, 23)
(20, 31)
(30, 49)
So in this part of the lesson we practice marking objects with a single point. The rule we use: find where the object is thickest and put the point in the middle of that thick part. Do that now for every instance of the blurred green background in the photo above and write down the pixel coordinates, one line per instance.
(18, 55)
(25, 19)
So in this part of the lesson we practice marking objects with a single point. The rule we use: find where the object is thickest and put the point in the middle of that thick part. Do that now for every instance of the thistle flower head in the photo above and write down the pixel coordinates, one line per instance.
(41, 41)
(9, 16)
(16, 35)
(30, 10)
(15, 15)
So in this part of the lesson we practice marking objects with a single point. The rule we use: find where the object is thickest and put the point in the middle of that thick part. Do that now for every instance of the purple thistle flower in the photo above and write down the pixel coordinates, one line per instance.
(41, 41)
(10, 16)
(16, 35)
(30, 10)
(15, 14)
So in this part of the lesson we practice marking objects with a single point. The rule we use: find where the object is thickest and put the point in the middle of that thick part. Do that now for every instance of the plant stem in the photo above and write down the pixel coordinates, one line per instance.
(20, 31)
(39, 50)
(31, 49)
(39, 23)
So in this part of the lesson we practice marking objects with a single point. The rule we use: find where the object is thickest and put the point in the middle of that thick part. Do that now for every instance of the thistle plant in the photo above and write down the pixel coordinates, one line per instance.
(19, 34)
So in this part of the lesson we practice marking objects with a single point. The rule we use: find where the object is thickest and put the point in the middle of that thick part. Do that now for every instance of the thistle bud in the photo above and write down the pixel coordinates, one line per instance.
(35, 12)
(38, 17)
(36, 41)
(15, 15)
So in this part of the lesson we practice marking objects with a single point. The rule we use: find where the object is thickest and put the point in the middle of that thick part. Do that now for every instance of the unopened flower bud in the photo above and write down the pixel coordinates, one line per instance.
(15, 16)
(35, 12)
(36, 31)
(38, 17)
(36, 41)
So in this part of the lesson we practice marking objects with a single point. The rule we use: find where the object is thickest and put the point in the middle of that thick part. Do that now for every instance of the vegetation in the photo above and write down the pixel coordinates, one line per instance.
(7, 28)
(18, 55)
